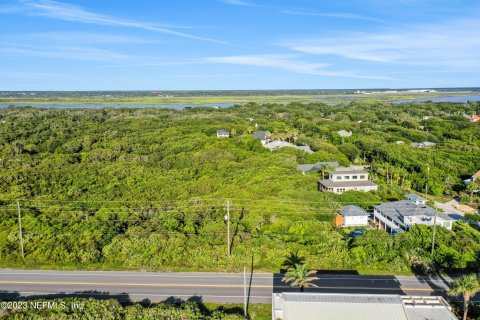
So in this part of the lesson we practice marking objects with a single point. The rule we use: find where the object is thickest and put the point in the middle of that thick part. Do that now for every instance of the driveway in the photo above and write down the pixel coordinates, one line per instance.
(450, 208)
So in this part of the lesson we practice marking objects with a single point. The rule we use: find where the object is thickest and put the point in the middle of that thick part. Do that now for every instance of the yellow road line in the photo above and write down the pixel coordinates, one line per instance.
(184, 285)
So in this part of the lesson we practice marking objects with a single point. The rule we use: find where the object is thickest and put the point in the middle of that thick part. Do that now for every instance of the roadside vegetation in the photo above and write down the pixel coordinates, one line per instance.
(89, 308)
(147, 189)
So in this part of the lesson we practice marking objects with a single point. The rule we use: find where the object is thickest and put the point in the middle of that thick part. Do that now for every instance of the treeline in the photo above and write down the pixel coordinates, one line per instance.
(148, 188)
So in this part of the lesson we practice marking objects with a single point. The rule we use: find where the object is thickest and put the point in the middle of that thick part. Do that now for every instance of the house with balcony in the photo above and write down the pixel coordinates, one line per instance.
(398, 216)
(347, 178)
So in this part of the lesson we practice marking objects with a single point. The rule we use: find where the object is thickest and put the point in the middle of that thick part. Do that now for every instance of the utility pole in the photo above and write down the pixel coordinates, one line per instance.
(434, 229)
(227, 217)
(20, 233)
(428, 178)
(245, 291)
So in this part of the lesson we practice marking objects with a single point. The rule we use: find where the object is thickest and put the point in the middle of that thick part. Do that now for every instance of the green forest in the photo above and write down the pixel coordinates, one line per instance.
(149, 189)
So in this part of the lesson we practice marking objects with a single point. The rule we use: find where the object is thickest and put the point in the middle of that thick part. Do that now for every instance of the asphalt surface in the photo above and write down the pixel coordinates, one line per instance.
(208, 287)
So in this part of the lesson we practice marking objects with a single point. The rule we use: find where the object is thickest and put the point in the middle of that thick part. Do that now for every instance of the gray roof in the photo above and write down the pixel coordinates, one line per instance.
(354, 298)
(280, 144)
(331, 306)
(424, 144)
(344, 184)
(348, 171)
(341, 307)
(305, 148)
(222, 132)
(353, 211)
(415, 197)
(316, 166)
(344, 133)
(398, 209)
(262, 135)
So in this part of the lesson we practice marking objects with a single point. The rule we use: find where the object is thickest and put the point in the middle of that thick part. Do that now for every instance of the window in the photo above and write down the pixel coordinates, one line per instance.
(339, 177)
(346, 177)
(354, 177)
(362, 177)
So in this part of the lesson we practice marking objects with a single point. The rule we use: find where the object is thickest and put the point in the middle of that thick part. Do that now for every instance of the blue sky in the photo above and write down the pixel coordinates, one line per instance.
(238, 44)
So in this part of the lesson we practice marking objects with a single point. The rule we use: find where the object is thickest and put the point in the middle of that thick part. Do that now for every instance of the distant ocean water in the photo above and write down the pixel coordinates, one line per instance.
(459, 99)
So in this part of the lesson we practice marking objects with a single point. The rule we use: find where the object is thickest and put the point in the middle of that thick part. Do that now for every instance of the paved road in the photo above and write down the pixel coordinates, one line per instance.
(211, 287)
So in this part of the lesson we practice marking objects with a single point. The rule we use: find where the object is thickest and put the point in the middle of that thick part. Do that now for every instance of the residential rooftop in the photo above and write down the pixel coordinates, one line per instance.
(398, 209)
(281, 144)
(262, 135)
(343, 171)
(316, 166)
(331, 306)
(353, 211)
(415, 197)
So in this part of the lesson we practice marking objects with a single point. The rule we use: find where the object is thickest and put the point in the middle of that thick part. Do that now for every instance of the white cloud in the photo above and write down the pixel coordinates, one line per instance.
(287, 62)
(450, 44)
(73, 53)
(69, 12)
(74, 38)
(10, 9)
(340, 15)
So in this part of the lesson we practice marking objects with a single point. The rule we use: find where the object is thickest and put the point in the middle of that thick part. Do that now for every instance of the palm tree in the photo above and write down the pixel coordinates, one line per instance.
(471, 187)
(467, 286)
(293, 258)
(299, 276)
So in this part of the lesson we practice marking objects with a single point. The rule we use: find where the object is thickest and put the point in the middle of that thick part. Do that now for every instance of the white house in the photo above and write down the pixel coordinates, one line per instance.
(352, 216)
(402, 215)
(343, 179)
(223, 134)
(424, 144)
(474, 177)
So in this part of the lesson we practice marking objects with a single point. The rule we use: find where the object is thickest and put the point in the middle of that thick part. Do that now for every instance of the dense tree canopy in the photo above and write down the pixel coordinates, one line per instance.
(148, 188)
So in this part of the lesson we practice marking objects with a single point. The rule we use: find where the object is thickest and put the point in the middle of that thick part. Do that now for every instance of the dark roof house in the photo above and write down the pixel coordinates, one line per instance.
(316, 166)
(262, 135)
(353, 211)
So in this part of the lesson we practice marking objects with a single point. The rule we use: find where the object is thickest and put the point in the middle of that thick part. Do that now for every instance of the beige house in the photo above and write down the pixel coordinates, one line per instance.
(347, 178)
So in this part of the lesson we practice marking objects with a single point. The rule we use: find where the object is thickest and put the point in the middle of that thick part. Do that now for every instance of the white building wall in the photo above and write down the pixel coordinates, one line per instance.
(362, 188)
(355, 221)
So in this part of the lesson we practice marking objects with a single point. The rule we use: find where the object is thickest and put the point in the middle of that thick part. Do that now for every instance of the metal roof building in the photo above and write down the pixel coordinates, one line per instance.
(281, 144)
(328, 306)
(403, 214)
(353, 211)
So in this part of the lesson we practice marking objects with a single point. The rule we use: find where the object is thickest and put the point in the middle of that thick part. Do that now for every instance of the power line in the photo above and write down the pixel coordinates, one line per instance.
(221, 200)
